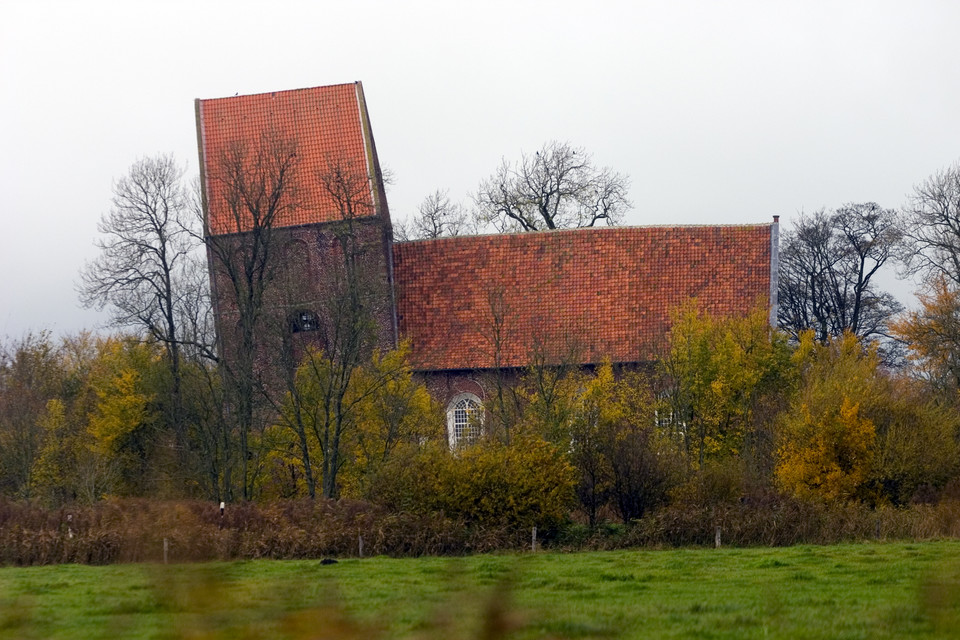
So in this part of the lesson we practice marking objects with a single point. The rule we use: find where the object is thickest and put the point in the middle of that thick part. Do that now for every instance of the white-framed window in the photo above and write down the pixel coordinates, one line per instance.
(464, 419)
(667, 420)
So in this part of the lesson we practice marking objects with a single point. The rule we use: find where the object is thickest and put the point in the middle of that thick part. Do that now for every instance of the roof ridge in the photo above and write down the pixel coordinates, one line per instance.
(264, 93)
(592, 229)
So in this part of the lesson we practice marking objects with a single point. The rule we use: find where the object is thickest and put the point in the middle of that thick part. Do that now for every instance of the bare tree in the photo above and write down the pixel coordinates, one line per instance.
(503, 404)
(438, 217)
(932, 251)
(557, 187)
(933, 226)
(143, 261)
(257, 184)
(827, 267)
(324, 393)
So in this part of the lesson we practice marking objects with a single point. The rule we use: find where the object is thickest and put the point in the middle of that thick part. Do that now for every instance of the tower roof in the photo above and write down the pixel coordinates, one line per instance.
(322, 127)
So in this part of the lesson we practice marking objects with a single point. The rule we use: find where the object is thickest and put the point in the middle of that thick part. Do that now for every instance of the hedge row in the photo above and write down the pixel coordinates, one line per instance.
(136, 530)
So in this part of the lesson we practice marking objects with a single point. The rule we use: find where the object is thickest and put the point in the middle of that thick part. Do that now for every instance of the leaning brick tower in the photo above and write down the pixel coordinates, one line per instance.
(292, 192)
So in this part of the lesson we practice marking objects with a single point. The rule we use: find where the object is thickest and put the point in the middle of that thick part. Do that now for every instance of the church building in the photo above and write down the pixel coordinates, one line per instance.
(468, 304)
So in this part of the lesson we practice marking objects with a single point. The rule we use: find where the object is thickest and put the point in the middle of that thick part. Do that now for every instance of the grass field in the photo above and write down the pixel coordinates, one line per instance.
(849, 591)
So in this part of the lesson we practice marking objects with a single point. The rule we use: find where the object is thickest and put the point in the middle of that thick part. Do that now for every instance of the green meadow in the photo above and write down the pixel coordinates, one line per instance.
(891, 590)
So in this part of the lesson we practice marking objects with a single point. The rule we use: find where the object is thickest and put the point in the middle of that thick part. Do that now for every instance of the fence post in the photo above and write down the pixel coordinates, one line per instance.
(360, 545)
(166, 548)
(533, 539)
(717, 538)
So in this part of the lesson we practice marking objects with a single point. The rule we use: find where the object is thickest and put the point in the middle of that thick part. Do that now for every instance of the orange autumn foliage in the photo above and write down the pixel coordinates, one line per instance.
(932, 333)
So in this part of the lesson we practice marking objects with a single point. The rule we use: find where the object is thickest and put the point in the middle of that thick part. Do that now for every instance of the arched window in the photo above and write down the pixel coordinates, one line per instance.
(464, 419)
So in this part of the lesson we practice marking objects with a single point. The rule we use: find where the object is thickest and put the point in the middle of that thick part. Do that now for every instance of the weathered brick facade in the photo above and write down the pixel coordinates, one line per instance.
(300, 300)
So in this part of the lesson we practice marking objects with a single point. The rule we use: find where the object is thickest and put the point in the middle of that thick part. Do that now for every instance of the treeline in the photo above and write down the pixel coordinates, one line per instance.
(89, 416)
(852, 403)
(733, 413)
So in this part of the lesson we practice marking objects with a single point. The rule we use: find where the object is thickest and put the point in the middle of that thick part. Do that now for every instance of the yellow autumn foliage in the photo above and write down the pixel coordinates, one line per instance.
(384, 414)
(854, 431)
(605, 421)
(96, 436)
(830, 454)
(827, 443)
(717, 368)
(49, 468)
(122, 397)
(397, 419)
(529, 483)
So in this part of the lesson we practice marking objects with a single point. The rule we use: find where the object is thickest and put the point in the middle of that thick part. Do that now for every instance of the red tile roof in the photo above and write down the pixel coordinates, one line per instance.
(608, 292)
(329, 124)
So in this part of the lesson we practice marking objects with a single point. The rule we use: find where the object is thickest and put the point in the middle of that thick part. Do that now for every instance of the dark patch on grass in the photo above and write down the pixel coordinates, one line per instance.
(711, 607)
(773, 564)
(570, 585)
(617, 577)
(537, 583)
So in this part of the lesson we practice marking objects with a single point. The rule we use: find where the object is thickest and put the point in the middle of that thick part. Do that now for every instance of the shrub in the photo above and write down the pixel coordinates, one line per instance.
(529, 483)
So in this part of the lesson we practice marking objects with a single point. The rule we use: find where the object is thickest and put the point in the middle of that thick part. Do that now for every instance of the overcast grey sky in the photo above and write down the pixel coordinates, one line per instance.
(718, 111)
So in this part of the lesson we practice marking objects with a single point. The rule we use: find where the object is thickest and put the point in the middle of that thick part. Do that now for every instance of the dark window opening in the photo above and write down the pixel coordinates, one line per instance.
(304, 321)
